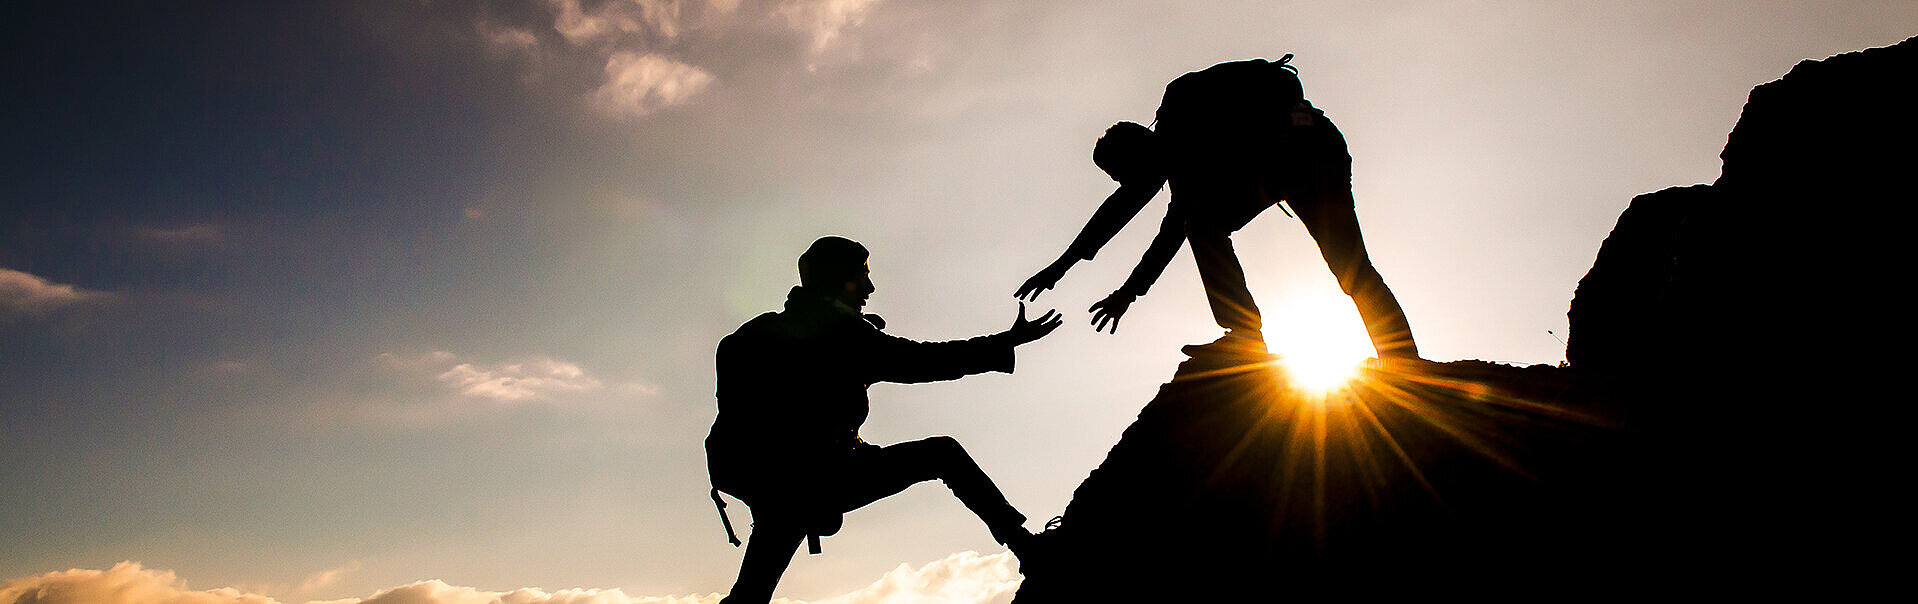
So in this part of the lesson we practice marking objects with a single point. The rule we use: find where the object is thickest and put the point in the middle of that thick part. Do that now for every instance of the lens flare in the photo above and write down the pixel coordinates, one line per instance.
(1320, 374)
(1320, 342)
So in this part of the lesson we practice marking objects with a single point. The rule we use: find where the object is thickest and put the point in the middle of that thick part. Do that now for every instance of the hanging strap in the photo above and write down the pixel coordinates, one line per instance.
(721, 504)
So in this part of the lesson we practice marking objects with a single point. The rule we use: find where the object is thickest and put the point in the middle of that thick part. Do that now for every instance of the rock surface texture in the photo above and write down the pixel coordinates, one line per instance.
(1724, 427)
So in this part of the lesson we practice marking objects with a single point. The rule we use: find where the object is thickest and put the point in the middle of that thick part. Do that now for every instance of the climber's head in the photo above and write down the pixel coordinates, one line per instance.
(836, 266)
(1129, 152)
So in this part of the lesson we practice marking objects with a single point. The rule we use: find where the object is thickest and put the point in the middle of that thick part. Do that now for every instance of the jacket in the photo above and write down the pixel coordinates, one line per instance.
(792, 388)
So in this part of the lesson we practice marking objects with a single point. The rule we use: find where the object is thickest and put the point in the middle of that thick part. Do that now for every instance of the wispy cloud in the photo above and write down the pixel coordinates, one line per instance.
(322, 579)
(525, 380)
(643, 51)
(30, 294)
(403, 390)
(823, 20)
(639, 84)
(535, 379)
(962, 578)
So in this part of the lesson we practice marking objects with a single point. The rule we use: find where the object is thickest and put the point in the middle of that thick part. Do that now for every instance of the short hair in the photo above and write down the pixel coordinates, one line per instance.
(1126, 152)
(831, 261)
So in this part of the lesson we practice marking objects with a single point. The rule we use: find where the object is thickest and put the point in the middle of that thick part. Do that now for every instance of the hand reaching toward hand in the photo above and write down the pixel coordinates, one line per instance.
(1110, 309)
(1045, 279)
(1024, 331)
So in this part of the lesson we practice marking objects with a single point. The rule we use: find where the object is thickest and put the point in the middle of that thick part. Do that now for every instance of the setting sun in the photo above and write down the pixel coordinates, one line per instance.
(1319, 340)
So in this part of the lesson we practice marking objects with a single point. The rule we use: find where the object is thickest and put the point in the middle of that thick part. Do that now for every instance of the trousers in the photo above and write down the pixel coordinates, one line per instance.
(1315, 178)
(869, 474)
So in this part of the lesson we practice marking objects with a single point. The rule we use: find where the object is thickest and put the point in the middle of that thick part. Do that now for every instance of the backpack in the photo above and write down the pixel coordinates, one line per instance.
(1233, 111)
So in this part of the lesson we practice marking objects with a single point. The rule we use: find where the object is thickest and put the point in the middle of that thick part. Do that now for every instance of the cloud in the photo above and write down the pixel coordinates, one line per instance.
(823, 20)
(125, 583)
(639, 84)
(535, 379)
(643, 54)
(438, 592)
(581, 26)
(508, 40)
(409, 391)
(326, 578)
(437, 360)
(532, 379)
(34, 295)
(961, 578)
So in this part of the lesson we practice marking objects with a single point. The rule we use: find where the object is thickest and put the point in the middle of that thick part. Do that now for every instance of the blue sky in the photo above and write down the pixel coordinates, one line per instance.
(316, 299)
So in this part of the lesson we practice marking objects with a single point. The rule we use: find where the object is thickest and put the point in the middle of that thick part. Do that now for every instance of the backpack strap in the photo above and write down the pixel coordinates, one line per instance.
(728, 522)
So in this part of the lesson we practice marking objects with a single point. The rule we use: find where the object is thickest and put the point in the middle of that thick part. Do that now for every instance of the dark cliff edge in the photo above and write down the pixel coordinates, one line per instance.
(1726, 426)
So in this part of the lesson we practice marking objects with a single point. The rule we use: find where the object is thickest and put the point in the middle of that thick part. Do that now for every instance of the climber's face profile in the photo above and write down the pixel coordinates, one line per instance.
(857, 288)
(837, 267)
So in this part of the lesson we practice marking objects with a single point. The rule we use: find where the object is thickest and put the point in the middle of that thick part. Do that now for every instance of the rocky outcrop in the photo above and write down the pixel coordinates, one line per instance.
(1233, 487)
(1796, 244)
(1723, 427)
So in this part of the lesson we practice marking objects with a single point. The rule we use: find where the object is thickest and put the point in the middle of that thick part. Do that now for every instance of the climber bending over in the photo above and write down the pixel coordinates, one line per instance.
(1232, 140)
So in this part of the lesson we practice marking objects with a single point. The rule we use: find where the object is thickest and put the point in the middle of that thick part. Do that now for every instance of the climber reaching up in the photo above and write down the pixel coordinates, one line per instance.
(792, 395)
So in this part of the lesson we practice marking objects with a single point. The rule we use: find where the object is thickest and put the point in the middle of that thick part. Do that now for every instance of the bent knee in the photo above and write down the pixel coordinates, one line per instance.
(943, 442)
(946, 450)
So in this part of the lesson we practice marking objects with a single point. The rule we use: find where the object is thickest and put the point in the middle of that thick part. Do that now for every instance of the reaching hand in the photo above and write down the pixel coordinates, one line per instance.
(1026, 331)
(1110, 309)
(1044, 280)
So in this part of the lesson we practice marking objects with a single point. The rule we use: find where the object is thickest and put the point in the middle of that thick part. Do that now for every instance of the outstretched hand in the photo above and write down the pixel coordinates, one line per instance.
(1109, 310)
(1045, 279)
(1024, 331)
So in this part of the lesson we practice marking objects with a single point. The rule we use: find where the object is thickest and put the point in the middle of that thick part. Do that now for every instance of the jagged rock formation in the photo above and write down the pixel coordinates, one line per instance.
(1718, 432)
(1231, 487)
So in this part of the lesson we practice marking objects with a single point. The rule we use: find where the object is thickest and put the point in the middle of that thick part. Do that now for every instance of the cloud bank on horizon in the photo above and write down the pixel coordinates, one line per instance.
(961, 578)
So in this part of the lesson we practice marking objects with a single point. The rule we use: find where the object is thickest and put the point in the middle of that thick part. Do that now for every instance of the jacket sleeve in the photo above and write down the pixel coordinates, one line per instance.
(1112, 215)
(900, 360)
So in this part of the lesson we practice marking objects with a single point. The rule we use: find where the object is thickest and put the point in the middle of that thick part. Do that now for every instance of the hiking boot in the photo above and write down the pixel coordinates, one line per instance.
(1235, 341)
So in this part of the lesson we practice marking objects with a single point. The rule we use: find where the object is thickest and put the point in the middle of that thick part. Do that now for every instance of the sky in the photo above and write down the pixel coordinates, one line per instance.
(417, 301)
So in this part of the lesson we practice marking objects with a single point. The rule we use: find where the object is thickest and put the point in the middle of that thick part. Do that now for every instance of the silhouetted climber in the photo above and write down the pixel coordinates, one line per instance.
(792, 394)
(1233, 139)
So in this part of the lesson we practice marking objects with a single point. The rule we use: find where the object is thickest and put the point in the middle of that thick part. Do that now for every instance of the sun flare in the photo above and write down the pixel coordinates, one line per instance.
(1320, 375)
(1320, 342)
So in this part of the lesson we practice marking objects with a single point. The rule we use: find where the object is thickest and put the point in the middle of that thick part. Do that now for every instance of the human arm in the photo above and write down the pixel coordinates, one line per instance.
(894, 359)
(1164, 246)
(1023, 331)
(1112, 215)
